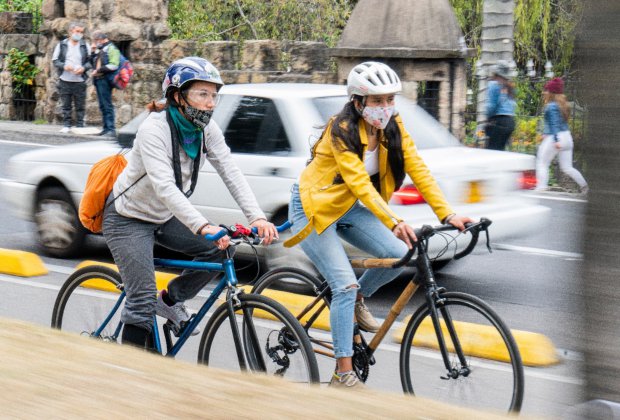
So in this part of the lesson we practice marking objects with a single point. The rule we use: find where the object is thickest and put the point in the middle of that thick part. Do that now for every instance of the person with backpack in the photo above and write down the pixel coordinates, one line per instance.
(106, 59)
(500, 107)
(149, 203)
(71, 57)
(362, 157)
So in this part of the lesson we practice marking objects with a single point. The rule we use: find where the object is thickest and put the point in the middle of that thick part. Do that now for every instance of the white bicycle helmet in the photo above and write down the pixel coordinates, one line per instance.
(372, 78)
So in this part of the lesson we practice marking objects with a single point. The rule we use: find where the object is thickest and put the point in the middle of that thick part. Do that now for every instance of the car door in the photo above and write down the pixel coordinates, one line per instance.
(254, 131)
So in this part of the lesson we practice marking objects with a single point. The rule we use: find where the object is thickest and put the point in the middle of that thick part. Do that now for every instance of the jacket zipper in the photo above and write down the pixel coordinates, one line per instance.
(382, 207)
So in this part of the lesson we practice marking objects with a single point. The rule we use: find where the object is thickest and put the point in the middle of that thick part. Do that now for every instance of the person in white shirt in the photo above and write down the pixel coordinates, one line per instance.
(71, 59)
(149, 203)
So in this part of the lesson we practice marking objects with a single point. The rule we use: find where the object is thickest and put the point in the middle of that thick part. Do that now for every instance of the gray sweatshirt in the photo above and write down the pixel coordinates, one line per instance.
(156, 198)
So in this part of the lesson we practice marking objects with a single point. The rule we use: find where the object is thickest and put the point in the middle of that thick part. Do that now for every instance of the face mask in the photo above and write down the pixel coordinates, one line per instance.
(76, 37)
(197, 116)
(378, 116)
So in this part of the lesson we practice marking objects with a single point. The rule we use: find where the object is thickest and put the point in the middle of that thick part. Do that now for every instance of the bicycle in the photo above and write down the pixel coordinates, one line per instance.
(435, 333)
(265, 336)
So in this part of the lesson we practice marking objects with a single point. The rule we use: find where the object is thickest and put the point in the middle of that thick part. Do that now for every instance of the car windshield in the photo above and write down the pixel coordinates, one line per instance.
(426, 131)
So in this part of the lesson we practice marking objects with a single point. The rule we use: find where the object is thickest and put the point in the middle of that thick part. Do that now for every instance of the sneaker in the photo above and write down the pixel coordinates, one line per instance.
(347, 380)
(364, 318)
(176, 313)
(65, 129)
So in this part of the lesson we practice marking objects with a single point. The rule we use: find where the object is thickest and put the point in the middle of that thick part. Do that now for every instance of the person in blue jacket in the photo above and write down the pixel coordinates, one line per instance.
(557, 139)
(500, 107)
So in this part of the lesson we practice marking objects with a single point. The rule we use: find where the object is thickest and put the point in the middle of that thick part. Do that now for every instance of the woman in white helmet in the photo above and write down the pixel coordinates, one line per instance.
(361, 158)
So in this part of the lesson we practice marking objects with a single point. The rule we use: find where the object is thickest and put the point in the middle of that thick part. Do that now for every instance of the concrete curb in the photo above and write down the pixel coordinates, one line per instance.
(21, 263)
(536, 349)
(161, 279)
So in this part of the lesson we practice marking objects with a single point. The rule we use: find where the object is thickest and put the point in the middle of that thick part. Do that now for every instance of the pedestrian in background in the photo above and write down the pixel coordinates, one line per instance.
(557, 139)
(71, 58)
(106, 59)
(500, 107)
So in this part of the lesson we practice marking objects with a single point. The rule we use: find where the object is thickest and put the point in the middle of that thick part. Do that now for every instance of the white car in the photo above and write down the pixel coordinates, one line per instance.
(270, 129)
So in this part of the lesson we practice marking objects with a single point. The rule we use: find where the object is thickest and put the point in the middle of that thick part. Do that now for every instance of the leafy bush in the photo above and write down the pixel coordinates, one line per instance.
(22, 70)
(29, 6)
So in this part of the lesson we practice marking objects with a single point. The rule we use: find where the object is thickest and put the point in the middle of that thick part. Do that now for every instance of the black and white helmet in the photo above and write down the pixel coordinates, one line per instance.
(372, 78)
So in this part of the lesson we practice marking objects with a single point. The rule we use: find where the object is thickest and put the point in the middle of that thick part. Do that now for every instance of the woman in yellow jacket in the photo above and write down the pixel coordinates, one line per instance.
(360, 159)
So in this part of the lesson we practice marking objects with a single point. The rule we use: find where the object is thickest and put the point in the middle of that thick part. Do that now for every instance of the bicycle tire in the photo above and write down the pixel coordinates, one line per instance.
(290, 279)
(82, 308)
(490, 384)
(275, 327)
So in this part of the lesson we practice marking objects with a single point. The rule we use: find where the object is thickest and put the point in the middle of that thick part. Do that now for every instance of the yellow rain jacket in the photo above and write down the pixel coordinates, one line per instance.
(335, 179)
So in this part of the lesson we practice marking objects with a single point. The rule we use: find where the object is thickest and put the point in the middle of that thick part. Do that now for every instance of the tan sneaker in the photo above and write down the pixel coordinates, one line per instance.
(348, 380)
(364, 318)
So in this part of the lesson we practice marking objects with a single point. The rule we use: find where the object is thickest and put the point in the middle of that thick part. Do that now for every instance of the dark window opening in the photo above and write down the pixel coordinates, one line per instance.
(125, 48)
(60, 4)
(256, 128)
(428, 97)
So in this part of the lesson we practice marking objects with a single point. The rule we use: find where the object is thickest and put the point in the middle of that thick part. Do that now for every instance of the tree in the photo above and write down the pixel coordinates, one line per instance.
(301, 20)
(544, 29)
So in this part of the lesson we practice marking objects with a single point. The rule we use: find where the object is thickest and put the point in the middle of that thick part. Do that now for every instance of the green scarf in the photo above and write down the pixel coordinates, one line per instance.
(190, 136)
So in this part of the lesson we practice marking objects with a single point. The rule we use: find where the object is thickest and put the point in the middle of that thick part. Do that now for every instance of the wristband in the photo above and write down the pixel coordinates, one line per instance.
(202, 227)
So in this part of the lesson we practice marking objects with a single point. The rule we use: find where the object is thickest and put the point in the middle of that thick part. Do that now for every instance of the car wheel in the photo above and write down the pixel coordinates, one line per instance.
(59, 229)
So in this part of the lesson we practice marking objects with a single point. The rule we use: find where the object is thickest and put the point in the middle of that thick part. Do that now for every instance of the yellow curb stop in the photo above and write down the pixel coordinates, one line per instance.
(161, 279)
(536, 349)
(295, 303)
(21, 263)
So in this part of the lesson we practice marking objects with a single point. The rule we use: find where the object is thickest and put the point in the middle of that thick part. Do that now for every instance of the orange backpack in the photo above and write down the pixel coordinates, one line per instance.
(101, 179)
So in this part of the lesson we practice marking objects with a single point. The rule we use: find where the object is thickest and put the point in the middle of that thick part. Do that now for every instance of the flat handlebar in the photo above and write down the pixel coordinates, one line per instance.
(239, 230)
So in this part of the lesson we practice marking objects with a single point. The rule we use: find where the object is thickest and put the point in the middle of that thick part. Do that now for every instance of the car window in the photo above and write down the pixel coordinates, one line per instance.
(426, 131)
(256, 127)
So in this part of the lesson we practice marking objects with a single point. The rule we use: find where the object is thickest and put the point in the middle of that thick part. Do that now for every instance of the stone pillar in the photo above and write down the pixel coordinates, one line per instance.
(497, 41)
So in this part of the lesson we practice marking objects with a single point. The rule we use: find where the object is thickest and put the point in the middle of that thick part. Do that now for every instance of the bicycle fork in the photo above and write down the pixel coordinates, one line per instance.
(436, 305)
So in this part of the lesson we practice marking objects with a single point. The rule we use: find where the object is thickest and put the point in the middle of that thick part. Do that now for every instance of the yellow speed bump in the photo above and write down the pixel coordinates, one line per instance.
(485, 342)
(161, 279)
(295, 303)
(21, 263)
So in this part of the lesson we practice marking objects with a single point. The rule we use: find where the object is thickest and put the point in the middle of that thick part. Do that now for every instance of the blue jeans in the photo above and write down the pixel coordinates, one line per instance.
(363, 230)
(104, 96)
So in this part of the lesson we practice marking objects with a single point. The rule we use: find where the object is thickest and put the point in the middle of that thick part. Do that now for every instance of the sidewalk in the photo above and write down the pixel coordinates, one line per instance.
(30, 132)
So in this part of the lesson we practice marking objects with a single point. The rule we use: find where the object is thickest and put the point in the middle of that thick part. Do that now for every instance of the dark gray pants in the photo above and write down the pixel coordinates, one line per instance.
(131, 242)
(72, 93)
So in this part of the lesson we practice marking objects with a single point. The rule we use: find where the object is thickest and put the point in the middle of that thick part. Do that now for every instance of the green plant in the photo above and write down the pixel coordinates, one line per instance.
(22, 70)
(29, 6)
(239, 20)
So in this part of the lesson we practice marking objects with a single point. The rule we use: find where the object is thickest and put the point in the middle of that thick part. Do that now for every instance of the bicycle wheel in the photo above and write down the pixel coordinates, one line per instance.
(87, 299)
(492, 375)
(291, 279)
(272, 340)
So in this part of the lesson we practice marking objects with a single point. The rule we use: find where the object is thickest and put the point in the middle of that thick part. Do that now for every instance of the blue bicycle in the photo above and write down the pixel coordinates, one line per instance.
(265, 336)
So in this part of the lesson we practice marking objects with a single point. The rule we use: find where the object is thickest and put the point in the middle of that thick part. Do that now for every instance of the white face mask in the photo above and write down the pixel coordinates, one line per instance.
(76, 37)
(378, 116)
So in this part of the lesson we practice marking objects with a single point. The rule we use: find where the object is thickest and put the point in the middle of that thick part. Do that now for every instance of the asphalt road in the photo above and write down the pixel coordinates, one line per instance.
(533, 283)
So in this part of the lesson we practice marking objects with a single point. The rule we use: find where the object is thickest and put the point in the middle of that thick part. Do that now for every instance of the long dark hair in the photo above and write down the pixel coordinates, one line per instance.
(345, 132)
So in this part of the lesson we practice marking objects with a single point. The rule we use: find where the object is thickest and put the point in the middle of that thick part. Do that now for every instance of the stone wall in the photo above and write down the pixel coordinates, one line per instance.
(138, 27)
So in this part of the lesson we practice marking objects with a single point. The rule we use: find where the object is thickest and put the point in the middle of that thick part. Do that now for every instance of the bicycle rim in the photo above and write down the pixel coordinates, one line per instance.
(272, 341)
(86, 300)
(495, 376)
